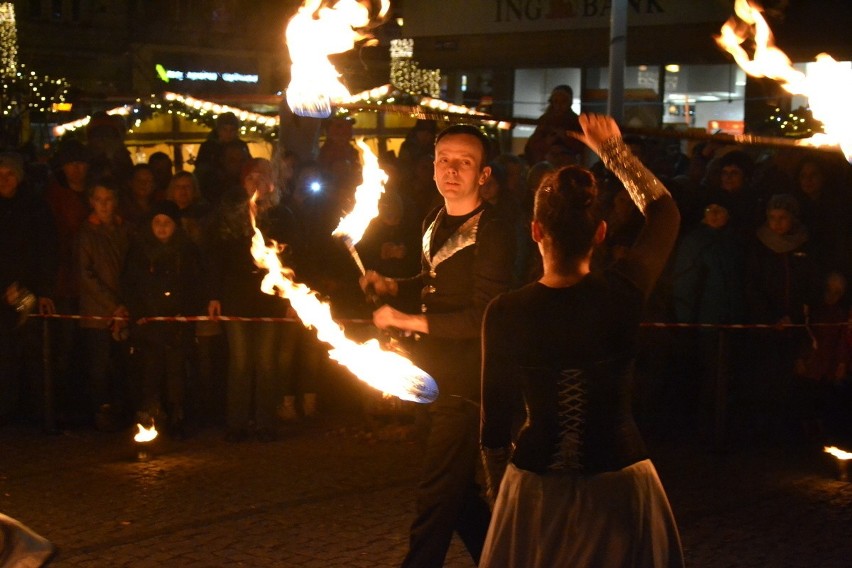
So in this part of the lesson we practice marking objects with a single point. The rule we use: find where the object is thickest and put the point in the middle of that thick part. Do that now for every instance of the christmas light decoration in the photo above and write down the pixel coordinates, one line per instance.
(405, 73)
(8, 41)
(25, 97)
(388, 98)
(799, 123)
(196, 110)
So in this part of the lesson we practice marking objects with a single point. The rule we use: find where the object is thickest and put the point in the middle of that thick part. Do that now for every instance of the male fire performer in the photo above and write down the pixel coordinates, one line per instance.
(467, 260)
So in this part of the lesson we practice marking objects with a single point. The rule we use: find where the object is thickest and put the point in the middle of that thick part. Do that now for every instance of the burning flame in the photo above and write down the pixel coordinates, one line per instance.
(838, 453)
(387, 371)
(314, 33)
(145, 434)
(828, 86)
(367, 195)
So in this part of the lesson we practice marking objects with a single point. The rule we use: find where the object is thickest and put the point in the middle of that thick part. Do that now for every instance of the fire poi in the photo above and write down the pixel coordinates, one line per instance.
(828, 86)
(387, 371)
(315, 32)
(352, 226)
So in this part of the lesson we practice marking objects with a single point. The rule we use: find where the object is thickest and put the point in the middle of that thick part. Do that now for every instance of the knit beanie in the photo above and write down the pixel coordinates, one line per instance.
(784, 201)
(72, 151)
(167, 208)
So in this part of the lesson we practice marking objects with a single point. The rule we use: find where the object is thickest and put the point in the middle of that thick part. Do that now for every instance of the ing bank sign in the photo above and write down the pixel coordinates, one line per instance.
(464, 17)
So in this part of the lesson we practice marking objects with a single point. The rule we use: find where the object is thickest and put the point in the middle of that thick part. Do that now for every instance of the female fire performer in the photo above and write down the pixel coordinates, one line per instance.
(579, 489)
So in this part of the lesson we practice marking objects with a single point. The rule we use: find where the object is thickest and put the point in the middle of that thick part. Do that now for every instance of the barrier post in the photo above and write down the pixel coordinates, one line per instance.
(721, 390)
(47, 370)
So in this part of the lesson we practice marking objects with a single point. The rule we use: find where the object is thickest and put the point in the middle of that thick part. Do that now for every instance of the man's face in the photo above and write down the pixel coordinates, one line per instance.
(811, 180)
(8, 182)
(733, 178)
(75, 173)
(142, 184)
(182, 192)
(103, 204)
(560, 101)
(458, 168)
(226, 132)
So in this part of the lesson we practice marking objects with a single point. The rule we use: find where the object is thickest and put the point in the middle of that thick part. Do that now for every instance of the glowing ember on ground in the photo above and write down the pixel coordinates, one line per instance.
(828, 86)
(315, 32)
(145, 434)
(838, 453)
(387, 371)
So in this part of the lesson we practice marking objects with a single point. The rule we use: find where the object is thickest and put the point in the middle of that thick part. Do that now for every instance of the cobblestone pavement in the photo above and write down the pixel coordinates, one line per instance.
(335, 494)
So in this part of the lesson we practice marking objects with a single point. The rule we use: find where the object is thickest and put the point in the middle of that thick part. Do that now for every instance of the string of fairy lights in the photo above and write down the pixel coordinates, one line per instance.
(199, 111)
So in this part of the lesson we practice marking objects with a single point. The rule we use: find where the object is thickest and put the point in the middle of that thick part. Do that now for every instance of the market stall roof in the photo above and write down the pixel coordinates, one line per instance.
(388, 98)
(174, 118)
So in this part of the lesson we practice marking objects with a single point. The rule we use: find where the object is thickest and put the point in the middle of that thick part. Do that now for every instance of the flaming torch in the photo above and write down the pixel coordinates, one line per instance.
(352, 227)
(842, 457)
(387, 371)
(143, 438)
(828, 86)
(315, 32)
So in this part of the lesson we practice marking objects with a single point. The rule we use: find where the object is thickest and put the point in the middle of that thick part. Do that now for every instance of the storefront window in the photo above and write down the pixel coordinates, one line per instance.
(641, 94)
(705, 96)
(532, 89)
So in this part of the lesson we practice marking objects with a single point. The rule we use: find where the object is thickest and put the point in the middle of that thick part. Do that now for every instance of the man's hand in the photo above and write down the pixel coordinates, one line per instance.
(120, 323)
(214, 309)
(387, 317)
(46, 306)
(597, 129)
(372, 281)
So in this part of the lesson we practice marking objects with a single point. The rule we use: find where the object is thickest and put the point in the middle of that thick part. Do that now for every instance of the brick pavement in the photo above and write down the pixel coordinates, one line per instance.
(334, 496)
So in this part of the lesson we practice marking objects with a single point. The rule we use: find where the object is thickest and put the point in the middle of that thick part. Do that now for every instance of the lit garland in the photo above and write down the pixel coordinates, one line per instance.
(387, 98)
(196, 110)
(199, 111)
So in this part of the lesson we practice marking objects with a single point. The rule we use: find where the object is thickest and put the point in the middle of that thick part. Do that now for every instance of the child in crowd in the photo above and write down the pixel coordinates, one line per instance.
(163, 277)
(100, 252)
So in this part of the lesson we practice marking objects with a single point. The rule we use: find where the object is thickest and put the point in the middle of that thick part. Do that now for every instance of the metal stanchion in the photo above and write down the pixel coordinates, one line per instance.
(721, 390)
(47, 366)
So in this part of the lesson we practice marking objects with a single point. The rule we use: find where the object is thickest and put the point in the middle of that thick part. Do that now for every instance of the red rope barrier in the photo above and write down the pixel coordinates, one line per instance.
(661, 325)
(183, 319)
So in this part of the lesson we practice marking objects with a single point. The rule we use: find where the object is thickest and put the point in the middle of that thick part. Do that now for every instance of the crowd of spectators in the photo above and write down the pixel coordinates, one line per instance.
(754, 300)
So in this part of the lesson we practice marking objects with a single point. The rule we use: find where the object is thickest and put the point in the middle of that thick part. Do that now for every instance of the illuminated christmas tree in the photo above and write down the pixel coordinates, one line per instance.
(24, 95)
(8, 41)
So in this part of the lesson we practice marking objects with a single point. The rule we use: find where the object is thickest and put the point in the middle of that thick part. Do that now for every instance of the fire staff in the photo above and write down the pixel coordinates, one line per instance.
(467, 260)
